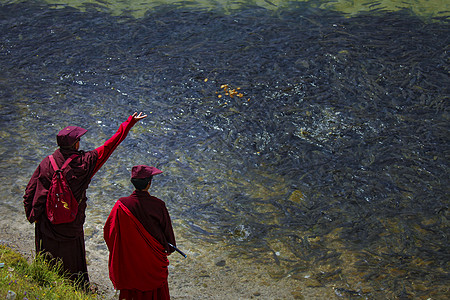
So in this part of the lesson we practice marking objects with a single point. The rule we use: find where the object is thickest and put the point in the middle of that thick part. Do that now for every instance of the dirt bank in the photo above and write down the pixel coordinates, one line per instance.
(203, 275)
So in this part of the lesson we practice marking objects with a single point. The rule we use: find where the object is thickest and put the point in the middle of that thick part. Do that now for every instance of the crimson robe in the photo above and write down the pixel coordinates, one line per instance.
(152, 213)
(66, 241)
(137, 233)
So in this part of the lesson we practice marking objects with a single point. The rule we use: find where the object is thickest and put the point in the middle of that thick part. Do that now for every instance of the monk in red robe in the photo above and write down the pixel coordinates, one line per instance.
(66, 241)
(138, 232)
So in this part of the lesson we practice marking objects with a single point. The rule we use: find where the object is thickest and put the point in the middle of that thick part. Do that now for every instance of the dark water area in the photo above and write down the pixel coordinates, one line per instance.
(301, 138)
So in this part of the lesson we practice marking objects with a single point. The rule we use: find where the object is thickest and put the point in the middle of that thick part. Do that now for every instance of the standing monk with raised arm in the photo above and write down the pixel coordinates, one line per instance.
(66, 241)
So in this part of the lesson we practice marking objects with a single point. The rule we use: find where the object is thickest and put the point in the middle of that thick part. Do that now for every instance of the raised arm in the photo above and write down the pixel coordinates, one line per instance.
(105, 151)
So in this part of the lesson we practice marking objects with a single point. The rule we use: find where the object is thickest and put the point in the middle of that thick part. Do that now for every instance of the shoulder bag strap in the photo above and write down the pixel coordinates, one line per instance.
(67, 162)
(54, 165)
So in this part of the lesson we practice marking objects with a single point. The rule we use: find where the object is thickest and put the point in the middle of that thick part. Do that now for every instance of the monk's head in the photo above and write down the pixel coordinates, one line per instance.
(69, 137)
(142, 175)
(142, 184)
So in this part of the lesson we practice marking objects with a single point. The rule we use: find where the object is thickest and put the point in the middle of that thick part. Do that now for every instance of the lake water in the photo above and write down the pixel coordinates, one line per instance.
(310, 137)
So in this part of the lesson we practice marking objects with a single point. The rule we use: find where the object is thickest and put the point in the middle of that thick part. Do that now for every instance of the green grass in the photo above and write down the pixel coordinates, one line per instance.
(35, 280)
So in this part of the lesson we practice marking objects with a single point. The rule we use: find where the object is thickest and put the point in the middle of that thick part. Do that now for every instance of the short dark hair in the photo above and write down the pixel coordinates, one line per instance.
(141, 183)
(71, 147)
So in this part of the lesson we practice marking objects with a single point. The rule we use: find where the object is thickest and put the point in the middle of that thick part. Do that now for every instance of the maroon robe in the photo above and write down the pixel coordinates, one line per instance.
(137, 233)
(152, 213)
(66, 241)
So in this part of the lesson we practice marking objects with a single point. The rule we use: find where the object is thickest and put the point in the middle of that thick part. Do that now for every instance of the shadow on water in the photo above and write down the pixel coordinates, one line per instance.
(298, 138)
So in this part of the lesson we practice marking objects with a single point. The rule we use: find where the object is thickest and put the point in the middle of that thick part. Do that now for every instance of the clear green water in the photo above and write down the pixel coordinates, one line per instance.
(138, 9)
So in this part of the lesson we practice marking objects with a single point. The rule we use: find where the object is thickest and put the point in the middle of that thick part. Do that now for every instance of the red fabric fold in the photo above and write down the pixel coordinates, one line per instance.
(137, 261)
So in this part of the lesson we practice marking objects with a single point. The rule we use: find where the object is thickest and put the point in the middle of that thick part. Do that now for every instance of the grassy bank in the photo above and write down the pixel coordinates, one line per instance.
(35, 280)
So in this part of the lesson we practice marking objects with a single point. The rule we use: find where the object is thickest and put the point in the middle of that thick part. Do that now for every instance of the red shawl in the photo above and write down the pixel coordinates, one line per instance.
(136, 259)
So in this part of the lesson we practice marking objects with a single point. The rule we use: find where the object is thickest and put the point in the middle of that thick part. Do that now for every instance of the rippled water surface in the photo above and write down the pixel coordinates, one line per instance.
(297, 136)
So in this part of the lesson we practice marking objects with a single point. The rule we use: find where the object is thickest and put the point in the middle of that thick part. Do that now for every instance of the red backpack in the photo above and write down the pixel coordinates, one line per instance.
(62, 207)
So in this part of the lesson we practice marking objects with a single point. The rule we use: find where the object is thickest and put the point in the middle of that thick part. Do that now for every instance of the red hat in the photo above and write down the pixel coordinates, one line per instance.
(69, 135)
(143, 171)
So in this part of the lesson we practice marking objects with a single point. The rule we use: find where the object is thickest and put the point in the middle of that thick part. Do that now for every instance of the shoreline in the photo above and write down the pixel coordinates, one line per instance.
(202, 275)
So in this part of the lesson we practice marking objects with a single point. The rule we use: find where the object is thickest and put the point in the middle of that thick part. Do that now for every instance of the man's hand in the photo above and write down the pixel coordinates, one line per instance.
(139, 117)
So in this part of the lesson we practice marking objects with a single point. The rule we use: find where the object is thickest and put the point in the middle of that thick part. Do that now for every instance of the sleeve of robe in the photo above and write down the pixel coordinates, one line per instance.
(136, 259)
(35, 195)
(29, 195)
(168, 231)
(105, 151)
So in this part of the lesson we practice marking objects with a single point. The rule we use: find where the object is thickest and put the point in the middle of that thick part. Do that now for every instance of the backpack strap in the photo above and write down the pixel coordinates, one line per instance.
(66, 163)
(54, 165)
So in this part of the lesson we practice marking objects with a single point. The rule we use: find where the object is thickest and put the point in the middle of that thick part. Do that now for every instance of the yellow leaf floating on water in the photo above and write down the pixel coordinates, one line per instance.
(231, 92)
(296, 196)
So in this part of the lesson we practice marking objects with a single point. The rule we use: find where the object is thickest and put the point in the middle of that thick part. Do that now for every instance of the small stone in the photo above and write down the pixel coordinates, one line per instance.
(221, 263)
(11, 295)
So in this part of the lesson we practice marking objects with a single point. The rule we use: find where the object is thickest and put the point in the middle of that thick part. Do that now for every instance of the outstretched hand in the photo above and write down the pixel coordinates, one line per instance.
(137, 117)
